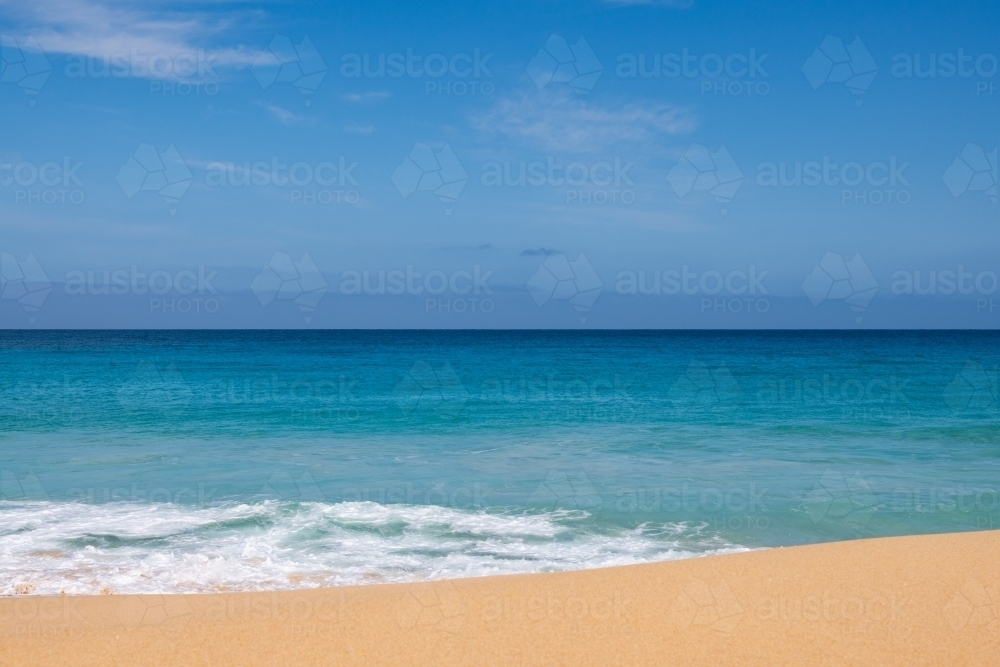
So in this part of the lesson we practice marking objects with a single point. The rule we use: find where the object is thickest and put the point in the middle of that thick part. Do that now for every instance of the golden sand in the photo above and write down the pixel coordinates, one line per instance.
(923, 600)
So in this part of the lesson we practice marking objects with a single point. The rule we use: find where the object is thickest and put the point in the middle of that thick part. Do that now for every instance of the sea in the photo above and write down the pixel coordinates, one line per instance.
(200, 461)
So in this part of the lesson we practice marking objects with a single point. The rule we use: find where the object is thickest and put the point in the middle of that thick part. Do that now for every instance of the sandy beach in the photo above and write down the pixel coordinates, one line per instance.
(920, 600)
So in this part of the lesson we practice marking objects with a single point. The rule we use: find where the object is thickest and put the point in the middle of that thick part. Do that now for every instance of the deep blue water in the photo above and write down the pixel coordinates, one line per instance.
(203, 460)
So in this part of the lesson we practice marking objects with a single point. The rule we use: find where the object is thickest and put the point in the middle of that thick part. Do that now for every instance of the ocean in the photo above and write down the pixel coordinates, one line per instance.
(198, 461)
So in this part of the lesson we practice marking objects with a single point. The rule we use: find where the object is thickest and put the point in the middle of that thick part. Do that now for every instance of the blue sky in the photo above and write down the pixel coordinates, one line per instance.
(669, 167)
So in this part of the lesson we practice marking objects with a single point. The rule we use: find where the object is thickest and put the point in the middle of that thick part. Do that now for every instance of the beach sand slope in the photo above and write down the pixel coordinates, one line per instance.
(921, 600)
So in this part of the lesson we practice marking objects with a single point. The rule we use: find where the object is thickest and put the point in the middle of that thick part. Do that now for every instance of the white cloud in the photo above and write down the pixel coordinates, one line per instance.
(285, 116)
(359, 129)
(179, 44)
(557, 121)
(373, 96)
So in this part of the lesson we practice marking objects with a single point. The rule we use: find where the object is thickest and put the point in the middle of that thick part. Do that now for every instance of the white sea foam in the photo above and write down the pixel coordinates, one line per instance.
(76, 548)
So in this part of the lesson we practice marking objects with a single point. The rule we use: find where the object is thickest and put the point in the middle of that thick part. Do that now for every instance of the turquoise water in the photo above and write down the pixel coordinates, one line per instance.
(192, 461)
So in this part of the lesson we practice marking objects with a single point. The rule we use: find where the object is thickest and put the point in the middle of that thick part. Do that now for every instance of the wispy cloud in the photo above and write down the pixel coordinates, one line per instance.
(558, 121)
(143, 38)
(483, 246)
(285, 116)
(359, 129)
(538, 252)
(676, 4)
(360, 98)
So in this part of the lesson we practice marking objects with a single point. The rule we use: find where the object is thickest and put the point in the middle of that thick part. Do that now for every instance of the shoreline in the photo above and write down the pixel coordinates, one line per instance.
(915, 600)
